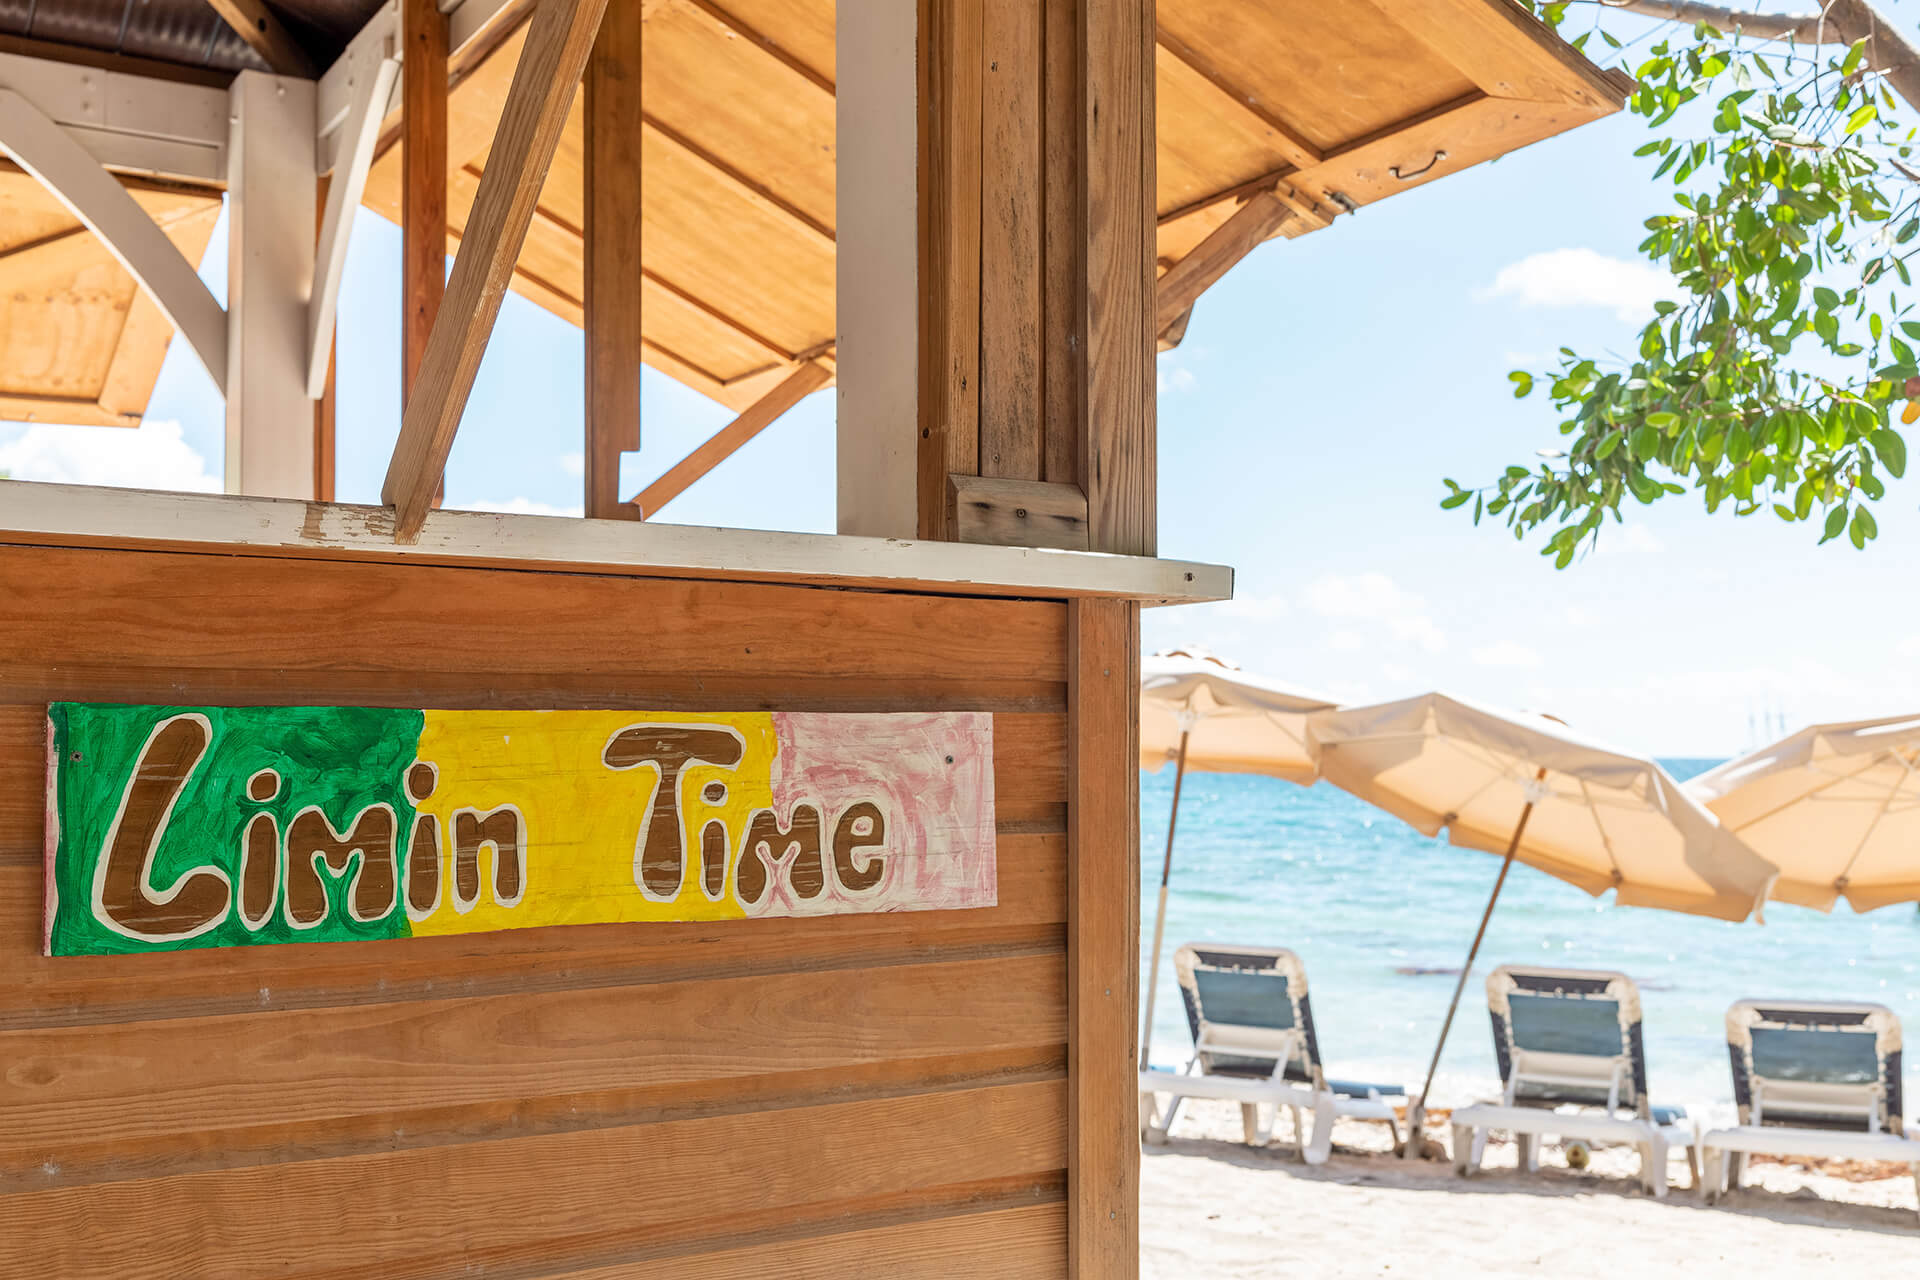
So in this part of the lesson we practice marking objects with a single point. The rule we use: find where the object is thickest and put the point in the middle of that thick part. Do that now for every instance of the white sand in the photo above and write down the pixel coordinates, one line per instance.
(1213, 1207)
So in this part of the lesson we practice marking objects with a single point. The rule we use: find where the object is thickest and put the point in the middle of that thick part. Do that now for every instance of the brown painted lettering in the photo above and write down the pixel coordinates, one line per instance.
(862, 826)
(768, 842)
(259, 870)
(311, 840)
(669, 749)
(123, 892)
(502, 828)
(713, 857)
(423, 851)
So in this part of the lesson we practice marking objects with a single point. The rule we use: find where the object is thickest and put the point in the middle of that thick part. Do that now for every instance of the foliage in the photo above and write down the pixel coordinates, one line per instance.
(1770, 384)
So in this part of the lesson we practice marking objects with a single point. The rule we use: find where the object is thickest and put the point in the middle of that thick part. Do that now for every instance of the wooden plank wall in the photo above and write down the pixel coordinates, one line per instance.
(1037, 265)
(791, 1097)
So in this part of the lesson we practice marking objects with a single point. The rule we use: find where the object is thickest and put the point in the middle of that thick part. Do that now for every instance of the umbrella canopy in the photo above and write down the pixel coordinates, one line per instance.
(1836, 806)
(1527, 787)
(1234, 722)
(1601, 819)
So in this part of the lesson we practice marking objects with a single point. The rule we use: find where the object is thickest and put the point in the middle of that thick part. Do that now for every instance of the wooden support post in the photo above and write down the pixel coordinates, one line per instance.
(423, 188)
(1103, 940)
(270, 259)
(323, 405)
(877, 297)
(1117, 217)
(551, 61)
(722, 445)
(612, 256)
(1212, 258)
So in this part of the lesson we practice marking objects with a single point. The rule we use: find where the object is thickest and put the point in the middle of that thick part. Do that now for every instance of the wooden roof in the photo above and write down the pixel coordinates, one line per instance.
(738, 233)
(79, 341)
(1320, 102)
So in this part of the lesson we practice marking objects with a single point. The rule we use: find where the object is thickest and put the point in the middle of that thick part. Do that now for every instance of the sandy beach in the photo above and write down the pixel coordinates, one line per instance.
(1212, 1207)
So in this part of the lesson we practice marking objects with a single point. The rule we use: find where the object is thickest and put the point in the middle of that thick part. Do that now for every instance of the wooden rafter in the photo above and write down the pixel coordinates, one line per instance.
(1213, 257)
(253, 22)
(756, 193)
(555, 53)
(718, 14)
(805, 380)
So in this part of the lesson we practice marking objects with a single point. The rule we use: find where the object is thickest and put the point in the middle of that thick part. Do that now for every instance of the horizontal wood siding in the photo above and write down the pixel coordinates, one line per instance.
(796, 1097)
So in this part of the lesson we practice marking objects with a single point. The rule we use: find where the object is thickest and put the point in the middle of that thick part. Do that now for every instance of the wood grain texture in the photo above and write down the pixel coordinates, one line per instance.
(728, 440)
(1017, 513)
(254, 22)
(556, 50)
(423, 184)
(1103, 942)
(324, 409)
(1117, 202)
(1506, 51)
(952, 45)
(611, 255)
(1025, 1243)
(1063, 320)
(1219, 253)
(1011, 274)
(545, 1200)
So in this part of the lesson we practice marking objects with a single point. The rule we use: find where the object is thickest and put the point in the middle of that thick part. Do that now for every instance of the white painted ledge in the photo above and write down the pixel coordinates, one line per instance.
(38, 514)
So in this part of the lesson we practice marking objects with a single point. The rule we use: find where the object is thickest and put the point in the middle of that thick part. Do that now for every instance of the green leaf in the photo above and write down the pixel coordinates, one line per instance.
(1522, 383)
(1456, 500)
(1891, 448)
(1836, 524)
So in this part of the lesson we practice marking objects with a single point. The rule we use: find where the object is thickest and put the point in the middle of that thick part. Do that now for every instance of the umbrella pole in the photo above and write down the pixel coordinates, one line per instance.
(1417, 1114)
(1160, 913)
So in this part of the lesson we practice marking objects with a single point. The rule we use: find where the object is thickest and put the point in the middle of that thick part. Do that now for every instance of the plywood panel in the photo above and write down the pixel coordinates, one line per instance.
(1206, 140)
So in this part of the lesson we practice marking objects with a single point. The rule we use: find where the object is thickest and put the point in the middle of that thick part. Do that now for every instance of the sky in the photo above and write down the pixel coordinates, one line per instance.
(1324, 389)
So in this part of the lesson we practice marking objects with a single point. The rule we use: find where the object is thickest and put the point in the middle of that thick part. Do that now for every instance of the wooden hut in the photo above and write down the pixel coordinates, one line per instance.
(401, 892)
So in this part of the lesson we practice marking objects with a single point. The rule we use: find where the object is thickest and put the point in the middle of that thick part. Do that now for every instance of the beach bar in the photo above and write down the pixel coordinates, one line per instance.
(396, 891)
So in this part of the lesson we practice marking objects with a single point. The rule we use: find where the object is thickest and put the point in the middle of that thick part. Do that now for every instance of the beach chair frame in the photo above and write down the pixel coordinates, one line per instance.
(1862, 1120)
(1227, 1055)
(1536, 1085)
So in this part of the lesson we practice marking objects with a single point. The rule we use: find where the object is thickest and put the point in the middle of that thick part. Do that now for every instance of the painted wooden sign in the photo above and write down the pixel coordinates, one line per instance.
(173, 827)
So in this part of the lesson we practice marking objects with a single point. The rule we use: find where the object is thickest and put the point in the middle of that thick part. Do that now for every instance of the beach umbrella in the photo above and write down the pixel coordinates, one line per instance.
(1208, 715)
(1835, 806)
(1530, 789)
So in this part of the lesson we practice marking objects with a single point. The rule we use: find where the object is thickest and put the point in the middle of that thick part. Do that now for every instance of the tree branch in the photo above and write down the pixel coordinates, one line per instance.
(1889, 51)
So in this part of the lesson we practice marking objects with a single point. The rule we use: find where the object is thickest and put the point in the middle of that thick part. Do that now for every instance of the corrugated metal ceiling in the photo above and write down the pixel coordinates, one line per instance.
(185, 32)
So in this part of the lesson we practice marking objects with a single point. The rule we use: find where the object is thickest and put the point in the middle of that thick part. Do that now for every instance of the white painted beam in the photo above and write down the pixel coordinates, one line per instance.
(358, 137)
(270, 260)
(73, 515)
(131, 124)
(91, 194)
(878, 356)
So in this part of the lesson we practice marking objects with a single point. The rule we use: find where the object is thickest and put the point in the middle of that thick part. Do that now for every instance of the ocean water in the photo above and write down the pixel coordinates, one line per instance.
(1382, 916)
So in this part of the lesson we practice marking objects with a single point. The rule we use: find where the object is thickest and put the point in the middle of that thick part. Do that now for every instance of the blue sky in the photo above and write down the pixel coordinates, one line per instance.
(1324, 389)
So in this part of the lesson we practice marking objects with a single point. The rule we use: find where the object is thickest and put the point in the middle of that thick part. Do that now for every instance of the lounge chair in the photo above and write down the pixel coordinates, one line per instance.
(1572, 1064)
(1811, 1079)
(1254, 1043)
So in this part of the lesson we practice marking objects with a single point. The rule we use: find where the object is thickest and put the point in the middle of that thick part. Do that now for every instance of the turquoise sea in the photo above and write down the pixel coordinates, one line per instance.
(1382, 916)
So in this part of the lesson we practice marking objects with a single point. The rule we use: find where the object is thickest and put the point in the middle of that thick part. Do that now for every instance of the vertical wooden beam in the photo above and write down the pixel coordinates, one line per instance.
(952, 36)
(1062, 331)
(323, 408)
(551, 60)
(1117, 223)
(1010, 241)
(270, 259)
(1103, 940)
(877, 289)
(423, 186)
(612, 248)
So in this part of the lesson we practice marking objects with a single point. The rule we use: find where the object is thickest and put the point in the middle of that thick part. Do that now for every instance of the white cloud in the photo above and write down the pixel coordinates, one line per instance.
(1505, 653)
(1583, 278)
(574, 464)
(1376, 598)
(1172, 379)
(1254, 606)
(153, 455)
(522, 507)
(1627, 540)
